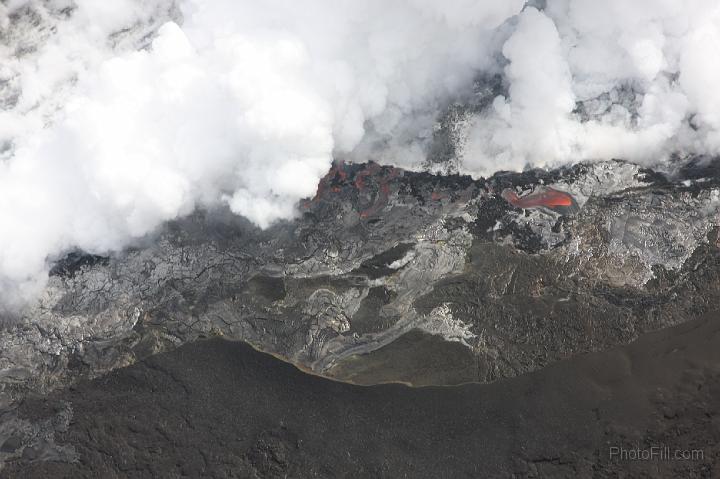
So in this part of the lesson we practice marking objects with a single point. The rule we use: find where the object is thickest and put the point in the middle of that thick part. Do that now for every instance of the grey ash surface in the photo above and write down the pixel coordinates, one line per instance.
(221, 409)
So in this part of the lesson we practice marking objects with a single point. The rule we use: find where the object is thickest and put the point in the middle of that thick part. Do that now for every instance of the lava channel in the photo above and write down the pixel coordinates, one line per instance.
(549, 198)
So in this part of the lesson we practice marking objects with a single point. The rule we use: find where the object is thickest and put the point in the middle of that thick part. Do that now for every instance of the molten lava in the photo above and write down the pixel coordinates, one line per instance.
(341, 176)
(545, 198)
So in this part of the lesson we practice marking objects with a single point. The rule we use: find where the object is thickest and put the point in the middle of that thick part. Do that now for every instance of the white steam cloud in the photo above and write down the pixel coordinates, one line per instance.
(118, 115)
(597, 80)
(243, 102)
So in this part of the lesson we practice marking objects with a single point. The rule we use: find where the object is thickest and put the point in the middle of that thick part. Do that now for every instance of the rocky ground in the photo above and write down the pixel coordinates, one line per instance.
(221, 409)
(390, 276)
(380, 254)
(531, 284)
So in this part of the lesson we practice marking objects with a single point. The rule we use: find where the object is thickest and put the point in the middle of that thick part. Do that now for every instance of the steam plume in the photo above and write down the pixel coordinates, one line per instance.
(117, 116)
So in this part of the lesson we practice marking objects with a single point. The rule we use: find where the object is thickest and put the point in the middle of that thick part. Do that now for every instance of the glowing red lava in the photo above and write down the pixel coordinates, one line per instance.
(338, 178)
(546, 197)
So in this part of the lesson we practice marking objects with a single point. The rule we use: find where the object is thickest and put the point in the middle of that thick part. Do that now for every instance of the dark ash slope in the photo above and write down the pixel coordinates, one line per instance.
(220, 409)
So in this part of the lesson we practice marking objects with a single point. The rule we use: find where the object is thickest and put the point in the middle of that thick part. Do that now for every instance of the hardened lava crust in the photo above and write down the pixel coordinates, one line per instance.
(503, 287)
(386, 276)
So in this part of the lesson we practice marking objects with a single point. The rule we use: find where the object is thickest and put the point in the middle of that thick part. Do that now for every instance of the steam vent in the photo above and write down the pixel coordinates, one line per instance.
(409, 239)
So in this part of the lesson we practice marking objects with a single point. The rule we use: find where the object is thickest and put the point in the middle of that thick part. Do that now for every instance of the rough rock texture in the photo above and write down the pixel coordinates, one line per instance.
(385, 276)
(220, 409)
(379, 253)
(382, 255)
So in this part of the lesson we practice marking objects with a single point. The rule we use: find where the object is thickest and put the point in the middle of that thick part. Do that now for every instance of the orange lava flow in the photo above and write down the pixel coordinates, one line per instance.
(337, 178)
(548, 198)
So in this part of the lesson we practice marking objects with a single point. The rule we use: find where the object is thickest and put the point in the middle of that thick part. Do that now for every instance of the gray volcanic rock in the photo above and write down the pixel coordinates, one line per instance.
(380, 253)
(220, 409)
(384, 276)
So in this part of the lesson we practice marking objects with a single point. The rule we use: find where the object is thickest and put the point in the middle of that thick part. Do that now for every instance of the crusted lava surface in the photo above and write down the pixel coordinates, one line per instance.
(391, 276)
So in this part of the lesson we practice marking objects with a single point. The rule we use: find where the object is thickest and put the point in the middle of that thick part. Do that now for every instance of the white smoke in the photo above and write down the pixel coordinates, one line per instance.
(238, 101)
(116, 116)
(644, 74)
